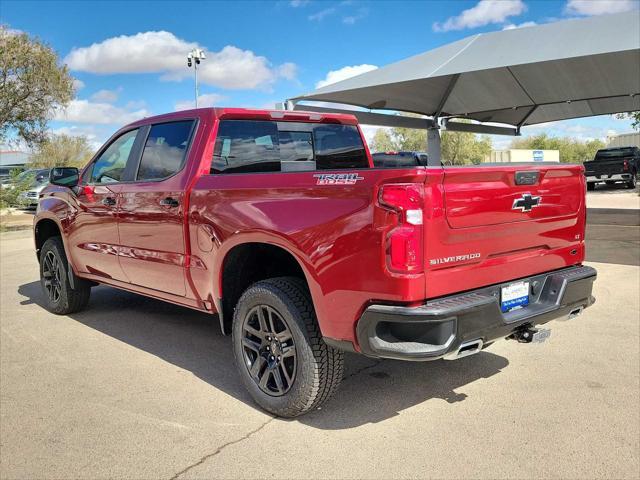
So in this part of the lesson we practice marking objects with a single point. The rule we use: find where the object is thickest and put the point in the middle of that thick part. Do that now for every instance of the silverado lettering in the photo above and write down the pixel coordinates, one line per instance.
(457, 258)
(213, 209)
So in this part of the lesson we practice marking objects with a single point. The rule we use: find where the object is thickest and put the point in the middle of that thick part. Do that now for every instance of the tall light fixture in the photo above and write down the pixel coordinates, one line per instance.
(193, 59)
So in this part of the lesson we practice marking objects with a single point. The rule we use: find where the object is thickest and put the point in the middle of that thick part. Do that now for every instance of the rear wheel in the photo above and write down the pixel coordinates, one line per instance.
(60, 298)
(633, 181)
(280, 355)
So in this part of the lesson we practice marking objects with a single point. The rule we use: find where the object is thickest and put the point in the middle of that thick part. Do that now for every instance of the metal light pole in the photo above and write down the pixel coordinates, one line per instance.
(193, 59)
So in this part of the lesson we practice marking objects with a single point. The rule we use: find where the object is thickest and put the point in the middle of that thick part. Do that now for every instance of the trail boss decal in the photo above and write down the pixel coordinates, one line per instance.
(338, 178)
(457, 258)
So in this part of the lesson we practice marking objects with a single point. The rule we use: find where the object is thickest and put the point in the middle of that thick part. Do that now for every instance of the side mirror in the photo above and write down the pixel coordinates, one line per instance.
(64, 176)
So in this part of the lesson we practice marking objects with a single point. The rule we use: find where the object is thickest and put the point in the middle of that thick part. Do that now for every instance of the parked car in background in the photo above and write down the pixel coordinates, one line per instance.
(6, 173)
(277, 222)
(399, 159)
(27, 176)
(611, 165)
(38, 179)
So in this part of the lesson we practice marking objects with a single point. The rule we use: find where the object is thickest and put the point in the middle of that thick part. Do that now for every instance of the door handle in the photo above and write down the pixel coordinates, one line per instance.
(169, 202)
(109, 202)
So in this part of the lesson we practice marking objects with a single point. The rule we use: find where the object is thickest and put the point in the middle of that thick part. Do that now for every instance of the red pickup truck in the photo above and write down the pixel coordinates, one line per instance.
(278, 223)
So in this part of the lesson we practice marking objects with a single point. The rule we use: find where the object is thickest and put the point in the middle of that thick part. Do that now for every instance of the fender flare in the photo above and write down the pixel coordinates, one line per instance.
(277, 240)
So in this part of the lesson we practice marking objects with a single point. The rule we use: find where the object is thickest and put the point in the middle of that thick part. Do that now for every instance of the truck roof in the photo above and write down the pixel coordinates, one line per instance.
(249, 114)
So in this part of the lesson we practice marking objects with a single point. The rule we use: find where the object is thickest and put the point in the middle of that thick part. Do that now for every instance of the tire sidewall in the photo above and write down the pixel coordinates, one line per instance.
(271, 295)
(54, 245)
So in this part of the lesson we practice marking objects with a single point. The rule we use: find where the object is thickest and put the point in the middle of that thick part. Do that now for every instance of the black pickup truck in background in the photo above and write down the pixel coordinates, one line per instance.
(612, 165)
(399, 159)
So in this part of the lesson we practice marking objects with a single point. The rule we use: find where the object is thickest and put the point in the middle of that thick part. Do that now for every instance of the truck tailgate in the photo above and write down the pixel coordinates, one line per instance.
(605, 168)
(490, 229)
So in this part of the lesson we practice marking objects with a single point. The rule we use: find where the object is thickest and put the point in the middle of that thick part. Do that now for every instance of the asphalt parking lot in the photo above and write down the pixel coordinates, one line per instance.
(135, 388)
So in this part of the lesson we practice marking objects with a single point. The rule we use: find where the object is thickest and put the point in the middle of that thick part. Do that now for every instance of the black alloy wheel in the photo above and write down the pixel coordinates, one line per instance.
(281, 356)
(61, 297)
(268, 350)
(53, 273)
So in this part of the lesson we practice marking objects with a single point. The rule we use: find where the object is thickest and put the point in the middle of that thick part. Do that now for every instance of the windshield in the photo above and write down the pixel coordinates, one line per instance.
(36, 178)
(614, 153)
(25, 175)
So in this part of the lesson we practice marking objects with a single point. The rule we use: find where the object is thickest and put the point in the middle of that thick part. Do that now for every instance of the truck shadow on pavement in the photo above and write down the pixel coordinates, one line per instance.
(372, 390)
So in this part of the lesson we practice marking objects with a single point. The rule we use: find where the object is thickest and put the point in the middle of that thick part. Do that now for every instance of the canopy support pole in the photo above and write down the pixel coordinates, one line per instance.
(434, 147)
(526, 117)
(445, 96)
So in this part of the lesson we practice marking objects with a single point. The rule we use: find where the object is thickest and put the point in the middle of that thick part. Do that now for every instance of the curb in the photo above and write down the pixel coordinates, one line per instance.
(14, 228)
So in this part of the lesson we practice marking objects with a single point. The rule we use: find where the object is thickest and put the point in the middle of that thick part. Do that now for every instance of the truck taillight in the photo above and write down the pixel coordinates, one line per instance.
(403, 243)
(625, 166)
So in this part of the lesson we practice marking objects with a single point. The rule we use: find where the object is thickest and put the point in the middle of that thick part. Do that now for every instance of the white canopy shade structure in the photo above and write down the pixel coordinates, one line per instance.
(525, 76)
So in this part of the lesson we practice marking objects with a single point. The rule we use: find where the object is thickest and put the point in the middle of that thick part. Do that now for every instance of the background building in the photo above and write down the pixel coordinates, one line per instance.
(631, 139)
(521, 155)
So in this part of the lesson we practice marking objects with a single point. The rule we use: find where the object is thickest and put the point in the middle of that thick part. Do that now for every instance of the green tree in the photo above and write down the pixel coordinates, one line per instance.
(571, 150)
(458, 148)
(62, 151)
(463, 148)
(10, 192)
(633, 116)
(382, 141)
(32, 86)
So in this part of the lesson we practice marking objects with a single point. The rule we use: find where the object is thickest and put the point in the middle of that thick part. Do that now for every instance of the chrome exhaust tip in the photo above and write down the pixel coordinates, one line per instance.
(465, 349)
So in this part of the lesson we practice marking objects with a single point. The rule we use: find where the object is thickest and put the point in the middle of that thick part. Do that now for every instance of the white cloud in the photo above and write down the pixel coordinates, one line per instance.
(84, 111)
(512, 26)
(599, 7)
(484, 13)
(583, 129)
(106, 96)
(95, 137)
(206, 100)
(343, 73)
(163, 52)
(10, 31)
(135, 105)
(359, 15)
(319, 16)
(77, 84)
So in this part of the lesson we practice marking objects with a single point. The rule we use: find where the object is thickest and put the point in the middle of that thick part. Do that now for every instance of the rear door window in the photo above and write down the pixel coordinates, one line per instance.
(245, 146)
(165, 150)
(253, 146)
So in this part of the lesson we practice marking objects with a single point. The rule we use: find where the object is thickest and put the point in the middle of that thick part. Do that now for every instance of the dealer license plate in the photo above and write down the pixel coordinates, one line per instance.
(514, 295)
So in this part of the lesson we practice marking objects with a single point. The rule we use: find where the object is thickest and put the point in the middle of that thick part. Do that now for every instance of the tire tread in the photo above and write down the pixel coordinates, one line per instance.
(73, 300)
(328, 363)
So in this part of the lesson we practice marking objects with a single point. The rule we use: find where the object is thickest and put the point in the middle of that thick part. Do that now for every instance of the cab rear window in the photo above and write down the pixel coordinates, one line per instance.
(615, 153)
(255, 146)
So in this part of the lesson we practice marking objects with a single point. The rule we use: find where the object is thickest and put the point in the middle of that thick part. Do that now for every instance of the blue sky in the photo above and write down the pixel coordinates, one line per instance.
(129, 57)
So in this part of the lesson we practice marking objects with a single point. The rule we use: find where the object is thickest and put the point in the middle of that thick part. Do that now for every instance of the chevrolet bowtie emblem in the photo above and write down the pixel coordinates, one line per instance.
(526, 202)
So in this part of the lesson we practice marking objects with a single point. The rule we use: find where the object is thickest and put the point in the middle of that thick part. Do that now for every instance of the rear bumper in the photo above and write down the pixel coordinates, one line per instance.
(439, 327)
(618, 177)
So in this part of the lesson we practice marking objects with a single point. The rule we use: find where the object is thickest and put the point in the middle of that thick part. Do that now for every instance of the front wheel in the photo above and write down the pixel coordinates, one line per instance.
(60, 298)
(280, 355)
